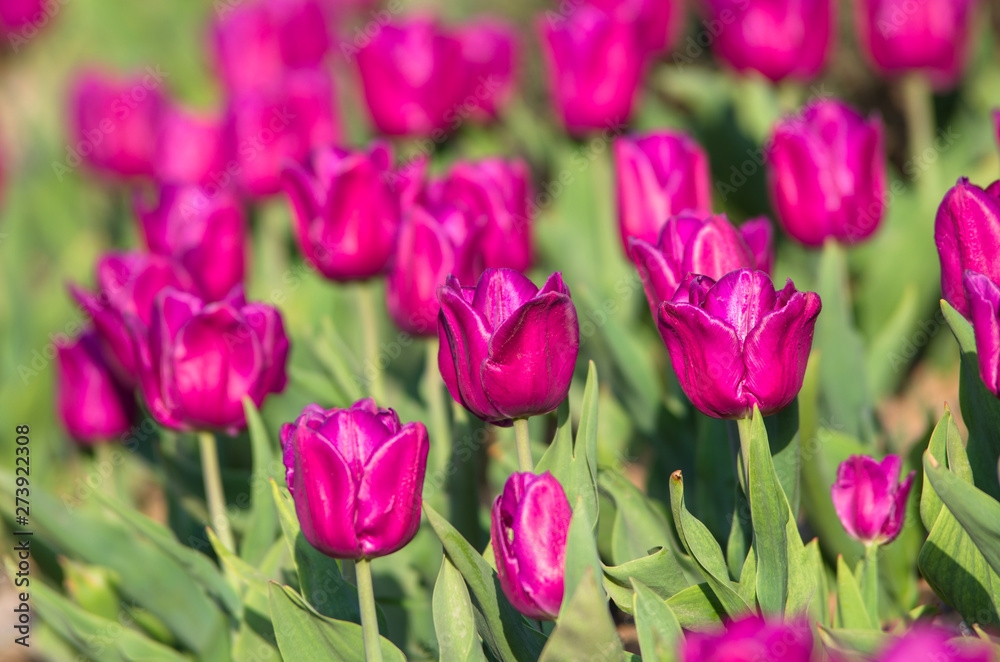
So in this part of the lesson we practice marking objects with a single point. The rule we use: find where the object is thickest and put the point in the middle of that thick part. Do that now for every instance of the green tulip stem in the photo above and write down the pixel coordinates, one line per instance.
(368, 315)
(524, 462)
(869, 582)
(918, 107)
(216, 498)
(104, 467)
(369, 616)
(434, 392)
(744, 426)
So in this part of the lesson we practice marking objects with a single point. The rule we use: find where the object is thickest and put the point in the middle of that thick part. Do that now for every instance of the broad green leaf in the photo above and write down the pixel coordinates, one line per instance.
(327, 348)
(851, 611)
(263, 527)
(584, 630)
(255, 639)
(501, 627)
(656, 626)
(306, 635)
(697, 608)
(783, 440)
(658, 572)
(703, 548)
(91, 587)
(581, 552)
(866, 641)
(246, 573)
(748, 579)
(930, 502)
(454, 620)
(715, 479)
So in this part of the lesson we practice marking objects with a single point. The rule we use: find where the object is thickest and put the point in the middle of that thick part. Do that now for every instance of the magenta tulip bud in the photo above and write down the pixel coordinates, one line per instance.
(983, 299)
(190, 148)
(198, 360)
(20, 20)
(658, 22)
(777, 38)
(93, 404)
(205, 234)
(127, 284)
(495, 194)
(507, 348)
(926, 35)
(356, 476)
(870, 500)
(935, 644)
(967, 234)
(414, 77)
(659, 175)
(268, 129)
(594, 61)
(114, 123)
(707, 246)
(529, 525)
(254, 44)
(736, 343)
(347, 210)
(751, 639)
(490, 53)
(827, 174)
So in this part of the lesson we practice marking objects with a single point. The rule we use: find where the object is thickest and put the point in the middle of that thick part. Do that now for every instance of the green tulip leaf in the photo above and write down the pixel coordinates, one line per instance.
(454, 619)
(263, 527)
(658, 572)
(584, 630)
(656, 626)
(697, 608)
(851, 610)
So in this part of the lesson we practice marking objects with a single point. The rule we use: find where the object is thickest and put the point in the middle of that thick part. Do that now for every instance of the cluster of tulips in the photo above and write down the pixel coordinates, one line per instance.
(171, 322)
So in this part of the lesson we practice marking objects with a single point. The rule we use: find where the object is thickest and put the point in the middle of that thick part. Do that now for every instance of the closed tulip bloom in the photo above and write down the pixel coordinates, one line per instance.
(114, 123)
(658, 22)
(356, 476)
(736, 343)
(495, 194)
(270, 128)
(659, 175)
(929, 35)
(528, 528)
(935, 644)
(191, 149)
(21, 19)
(490, 54)
(254, 44)
(967, 234)
(205, 234)
(198, 360)
(983, 297)
(751, 639)
(93, 404)
(827, 174)
(707, 246)
(127, 284)
(870, 500)
(414, 77)
(595, 62)
(347, 210)
(507, 348)
(777, 38)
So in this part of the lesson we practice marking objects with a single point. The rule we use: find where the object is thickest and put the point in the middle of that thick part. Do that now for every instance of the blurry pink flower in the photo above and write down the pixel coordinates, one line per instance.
(869, 499)
(93, 404)
(190, 147)
(750, 639)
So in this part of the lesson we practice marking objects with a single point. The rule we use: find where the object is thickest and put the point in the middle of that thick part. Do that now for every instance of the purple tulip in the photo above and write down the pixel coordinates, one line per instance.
(190, 148)
(347, 210)
(870, 500)
(198, 360)
(658, 22)
(21, 19)
(489, 52)
(356, 476)
(690, 245)
(114, 123)
(206, 234)
(737, 343)
(254, 44)
(934, 644)
(659, 175)
(529, 525)
(284, 123)
(507, 349)
(127, 284)
(93, 404)
(595, 63)
(495, 194)
(751, 639)
(827, 174)
(967, 234)
(926, 35)
(983, 299)
(777, 38)
(414, 77)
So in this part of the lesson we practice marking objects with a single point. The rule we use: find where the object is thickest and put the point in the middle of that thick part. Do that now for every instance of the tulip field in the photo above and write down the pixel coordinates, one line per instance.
(555, 330)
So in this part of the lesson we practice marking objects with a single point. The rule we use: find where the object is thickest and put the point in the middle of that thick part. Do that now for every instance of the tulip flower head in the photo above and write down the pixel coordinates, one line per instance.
(93, 403)
(983, 297)
(529, 524)
(750, 639)
(827, 174)
(508, 348)
(356, 476)
(197, 360)
(489, 52)
(934, 644)
(707, 246)
(869, 499)
(659, 175)
(967, 234)
(191, 148)
(657, 22)
(736, 343)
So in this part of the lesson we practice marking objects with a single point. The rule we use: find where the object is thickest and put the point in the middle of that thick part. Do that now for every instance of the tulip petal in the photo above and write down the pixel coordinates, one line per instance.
(983, 297)
(267, 324)
(894, 523)
(659, 279)
(467, 334)
(325, 495)
(500, 292)
(967, 234)
(716, 249)
(501, 532)
(758, 233)
(741, 299)
(424, 258)
(541, 525)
